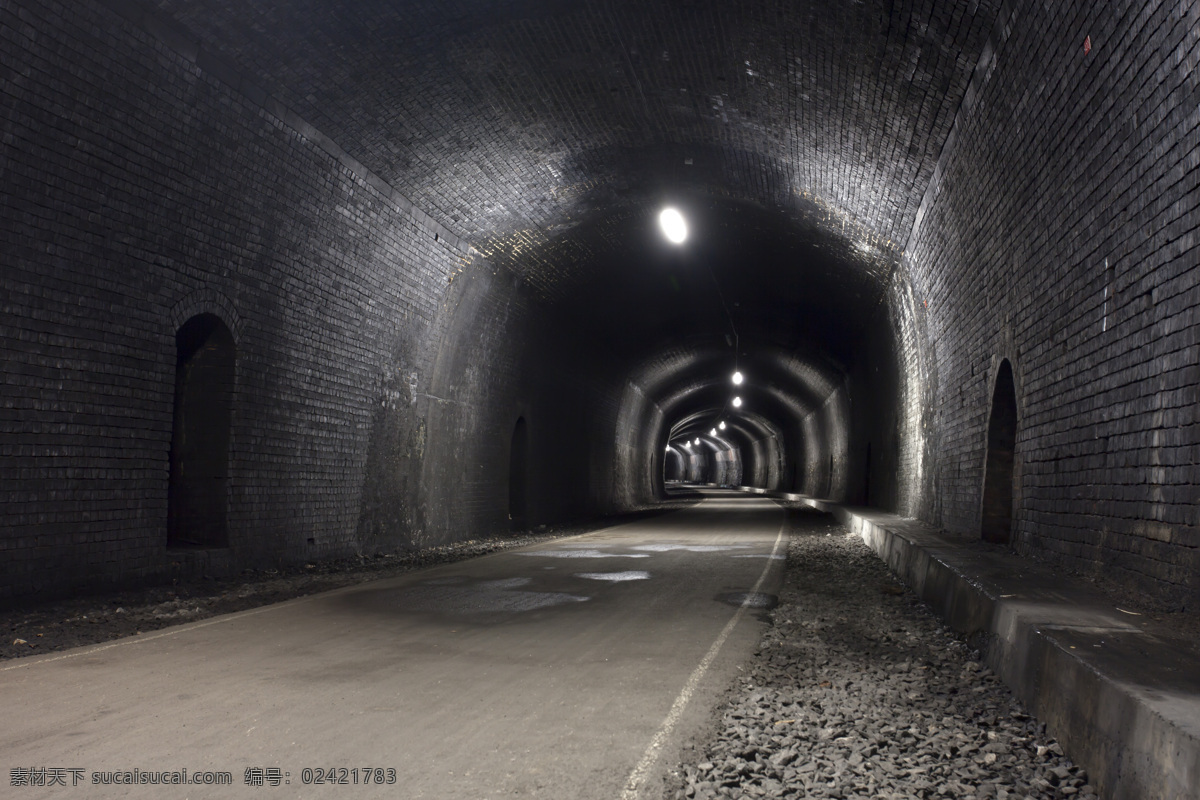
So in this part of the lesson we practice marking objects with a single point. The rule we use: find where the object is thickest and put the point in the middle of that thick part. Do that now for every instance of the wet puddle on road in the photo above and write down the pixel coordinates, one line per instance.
(589, 553)
(691, 548)
(615, 577)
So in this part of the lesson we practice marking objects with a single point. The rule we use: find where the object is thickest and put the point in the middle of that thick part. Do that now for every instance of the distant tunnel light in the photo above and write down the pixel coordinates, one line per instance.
(737, 402)
(737, 378)
(721, 425)
(673, 225)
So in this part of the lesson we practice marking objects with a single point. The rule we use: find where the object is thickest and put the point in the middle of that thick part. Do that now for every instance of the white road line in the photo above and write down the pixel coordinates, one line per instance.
(634, 785)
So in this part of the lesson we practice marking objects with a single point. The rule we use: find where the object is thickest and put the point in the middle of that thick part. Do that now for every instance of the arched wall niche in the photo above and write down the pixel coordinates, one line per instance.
(198, 486)
(999, 495)
(518, 476)
(207, 301)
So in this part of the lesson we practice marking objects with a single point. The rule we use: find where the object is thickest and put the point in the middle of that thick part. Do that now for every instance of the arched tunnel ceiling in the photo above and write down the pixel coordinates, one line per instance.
(760, 274)
(509, 120)
(798, 137)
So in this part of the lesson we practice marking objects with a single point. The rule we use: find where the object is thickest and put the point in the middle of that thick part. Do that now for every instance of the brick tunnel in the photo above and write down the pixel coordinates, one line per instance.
(286, 282)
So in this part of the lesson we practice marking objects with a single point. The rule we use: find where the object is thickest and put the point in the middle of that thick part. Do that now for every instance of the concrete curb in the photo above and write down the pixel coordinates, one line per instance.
(1120, 692)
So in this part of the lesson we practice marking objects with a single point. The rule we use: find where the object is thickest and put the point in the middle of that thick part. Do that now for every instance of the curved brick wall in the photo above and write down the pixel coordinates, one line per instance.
(1060, 233)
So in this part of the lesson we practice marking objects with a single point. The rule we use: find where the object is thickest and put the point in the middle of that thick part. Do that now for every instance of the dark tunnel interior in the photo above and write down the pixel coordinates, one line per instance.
(828, 317)
(427, 238)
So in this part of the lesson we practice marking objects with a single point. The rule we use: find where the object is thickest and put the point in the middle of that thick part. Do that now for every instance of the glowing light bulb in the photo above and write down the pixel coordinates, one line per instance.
(737, 378)
(737, 402)
(673, 225)
(721, 425)
(713, 432)
(697, 441)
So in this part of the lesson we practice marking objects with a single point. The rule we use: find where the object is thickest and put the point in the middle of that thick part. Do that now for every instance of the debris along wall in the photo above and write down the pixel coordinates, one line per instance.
(1059, 234)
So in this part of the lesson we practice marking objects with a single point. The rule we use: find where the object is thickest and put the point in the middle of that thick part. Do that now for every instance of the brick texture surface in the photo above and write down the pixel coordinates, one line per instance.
(1061, 235)
(140, 189)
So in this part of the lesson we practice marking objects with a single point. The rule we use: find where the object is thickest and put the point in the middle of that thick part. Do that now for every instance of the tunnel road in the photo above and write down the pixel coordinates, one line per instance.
(576, 668)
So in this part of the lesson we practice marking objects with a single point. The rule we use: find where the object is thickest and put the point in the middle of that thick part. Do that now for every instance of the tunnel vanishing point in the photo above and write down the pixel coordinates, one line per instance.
(288, 280)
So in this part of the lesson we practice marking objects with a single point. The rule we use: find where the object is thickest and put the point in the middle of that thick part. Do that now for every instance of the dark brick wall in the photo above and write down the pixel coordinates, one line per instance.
(380, 365)
(913, 394)
(139, 190)
(827, 449)
(763, 462)
(851, 448)
(876, 414)
(638, 438)
(1060, 233)
(500, 357)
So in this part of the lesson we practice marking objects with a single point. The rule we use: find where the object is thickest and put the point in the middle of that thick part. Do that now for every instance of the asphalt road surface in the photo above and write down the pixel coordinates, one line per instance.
(572, 669)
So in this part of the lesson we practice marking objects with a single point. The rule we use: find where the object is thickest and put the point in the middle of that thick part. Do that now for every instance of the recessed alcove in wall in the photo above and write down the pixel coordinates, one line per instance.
(866, 498)
(996, 519)
(518, 476)
(199, 478)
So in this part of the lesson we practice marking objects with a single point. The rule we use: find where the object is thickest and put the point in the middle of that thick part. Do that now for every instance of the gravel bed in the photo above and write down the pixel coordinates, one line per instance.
(859, 691)
(46, 627)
